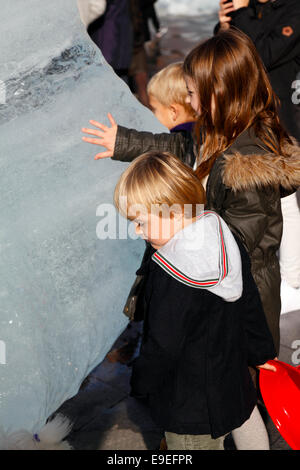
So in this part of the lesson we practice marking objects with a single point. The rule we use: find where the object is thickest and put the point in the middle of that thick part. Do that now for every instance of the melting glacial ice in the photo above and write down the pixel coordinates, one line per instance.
(62, 289)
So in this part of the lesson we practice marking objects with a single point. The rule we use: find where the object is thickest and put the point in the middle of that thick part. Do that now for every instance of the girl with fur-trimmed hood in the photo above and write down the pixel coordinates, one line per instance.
(240, 149)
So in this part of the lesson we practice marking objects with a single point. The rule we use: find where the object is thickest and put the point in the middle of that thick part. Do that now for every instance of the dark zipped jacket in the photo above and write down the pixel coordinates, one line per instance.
(274, 27)
(244, 187)
(195, 353)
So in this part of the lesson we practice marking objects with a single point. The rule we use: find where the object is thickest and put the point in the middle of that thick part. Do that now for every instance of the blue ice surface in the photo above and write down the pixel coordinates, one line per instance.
(62, 290)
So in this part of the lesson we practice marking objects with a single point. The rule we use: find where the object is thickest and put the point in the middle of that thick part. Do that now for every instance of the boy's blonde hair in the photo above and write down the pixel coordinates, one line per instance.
(168, 87)
(159, 179)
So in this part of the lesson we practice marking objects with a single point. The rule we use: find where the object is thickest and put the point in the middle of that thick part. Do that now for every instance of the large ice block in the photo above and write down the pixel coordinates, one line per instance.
(61, 288)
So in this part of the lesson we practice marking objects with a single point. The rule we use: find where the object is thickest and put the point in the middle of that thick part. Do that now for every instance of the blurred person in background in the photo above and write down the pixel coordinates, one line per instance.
(150, 15)
(152, 42)
(112, 32)
(90, 10)
(117, 28)
(138, 70)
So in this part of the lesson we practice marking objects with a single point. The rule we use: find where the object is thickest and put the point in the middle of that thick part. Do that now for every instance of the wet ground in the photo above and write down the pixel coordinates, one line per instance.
(183, 34)
(105, 417)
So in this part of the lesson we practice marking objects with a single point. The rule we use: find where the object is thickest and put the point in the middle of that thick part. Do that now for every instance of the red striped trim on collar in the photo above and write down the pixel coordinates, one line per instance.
(181, 277)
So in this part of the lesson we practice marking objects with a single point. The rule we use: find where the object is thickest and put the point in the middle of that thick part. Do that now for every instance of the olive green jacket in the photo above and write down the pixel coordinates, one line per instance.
(244, 187)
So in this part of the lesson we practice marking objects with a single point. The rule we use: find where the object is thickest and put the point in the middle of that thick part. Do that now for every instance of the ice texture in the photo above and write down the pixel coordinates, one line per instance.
(62, 289)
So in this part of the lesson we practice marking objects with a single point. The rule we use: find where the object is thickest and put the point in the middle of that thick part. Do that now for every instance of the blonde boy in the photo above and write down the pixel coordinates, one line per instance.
(204, 321)
(167, 96)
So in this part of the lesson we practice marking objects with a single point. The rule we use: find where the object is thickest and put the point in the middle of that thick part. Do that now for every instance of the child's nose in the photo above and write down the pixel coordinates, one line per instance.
(188, 100)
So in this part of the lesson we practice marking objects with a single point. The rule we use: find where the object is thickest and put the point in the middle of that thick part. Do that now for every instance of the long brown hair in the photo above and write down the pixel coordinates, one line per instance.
(234, 94)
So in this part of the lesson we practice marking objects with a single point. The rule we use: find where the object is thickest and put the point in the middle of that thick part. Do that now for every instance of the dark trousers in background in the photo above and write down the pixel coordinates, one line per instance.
(149, 13)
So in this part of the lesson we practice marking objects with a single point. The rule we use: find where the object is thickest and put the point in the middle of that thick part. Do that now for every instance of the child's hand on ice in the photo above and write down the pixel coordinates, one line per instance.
(267, 366)
(107, 137)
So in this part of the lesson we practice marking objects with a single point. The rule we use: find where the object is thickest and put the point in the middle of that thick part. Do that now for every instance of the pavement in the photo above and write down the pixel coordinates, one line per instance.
(183, 34)
(106, 417)
(103, 414)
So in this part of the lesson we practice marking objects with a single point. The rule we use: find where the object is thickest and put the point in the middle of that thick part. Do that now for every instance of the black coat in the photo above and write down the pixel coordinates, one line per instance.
(274, 27)
(196, 347)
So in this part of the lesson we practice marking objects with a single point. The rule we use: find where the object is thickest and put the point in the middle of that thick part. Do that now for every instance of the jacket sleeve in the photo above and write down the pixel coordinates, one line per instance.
(260, 345)
(274, 47)
(131, 143)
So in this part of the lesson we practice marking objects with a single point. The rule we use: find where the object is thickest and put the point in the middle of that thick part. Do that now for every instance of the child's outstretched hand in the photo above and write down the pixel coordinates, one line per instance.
(107, 137)
(267, 366)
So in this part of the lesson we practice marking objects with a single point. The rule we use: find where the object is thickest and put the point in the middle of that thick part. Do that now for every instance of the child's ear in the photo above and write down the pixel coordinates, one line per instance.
(174, 111)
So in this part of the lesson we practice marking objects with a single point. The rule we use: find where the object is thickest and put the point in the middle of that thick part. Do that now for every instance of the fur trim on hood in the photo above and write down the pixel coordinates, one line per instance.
(242, 172)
